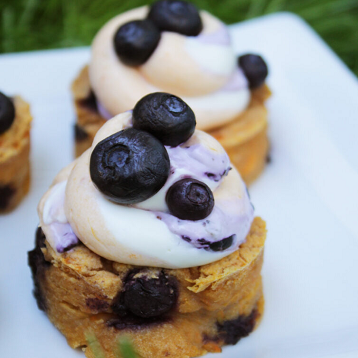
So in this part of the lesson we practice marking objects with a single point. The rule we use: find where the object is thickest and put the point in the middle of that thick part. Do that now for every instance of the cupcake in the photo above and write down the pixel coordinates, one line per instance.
(172, 47)
(15, 123)
(150, 235)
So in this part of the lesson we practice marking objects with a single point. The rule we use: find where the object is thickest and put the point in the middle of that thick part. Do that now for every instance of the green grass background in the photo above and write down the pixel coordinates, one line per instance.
(42, 24)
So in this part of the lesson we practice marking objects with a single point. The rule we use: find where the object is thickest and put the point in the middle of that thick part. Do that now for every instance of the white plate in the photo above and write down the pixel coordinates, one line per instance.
(308, 195)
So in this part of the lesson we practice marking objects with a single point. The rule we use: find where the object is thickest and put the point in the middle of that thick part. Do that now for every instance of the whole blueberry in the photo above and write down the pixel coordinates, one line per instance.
(176, 16)
(165, 116)
(135, 41)
(255, 69)
(149, 295)
(129, 166)
(190, 199)
(223, 244)
(7, 113)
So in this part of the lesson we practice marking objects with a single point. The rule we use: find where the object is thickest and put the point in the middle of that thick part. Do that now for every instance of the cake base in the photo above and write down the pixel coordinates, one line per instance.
(244, 139)
(14, 158)
(217, 304)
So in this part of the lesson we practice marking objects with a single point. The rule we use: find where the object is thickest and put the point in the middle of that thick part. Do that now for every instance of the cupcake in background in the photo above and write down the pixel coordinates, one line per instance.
(15, 124)
(150, 235)
(172, 47)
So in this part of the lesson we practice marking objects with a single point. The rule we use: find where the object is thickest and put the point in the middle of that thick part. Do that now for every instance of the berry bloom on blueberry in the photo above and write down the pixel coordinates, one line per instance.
(176, 16)
(190, 199)
(129, 166)
(165, 116)
(135, 41)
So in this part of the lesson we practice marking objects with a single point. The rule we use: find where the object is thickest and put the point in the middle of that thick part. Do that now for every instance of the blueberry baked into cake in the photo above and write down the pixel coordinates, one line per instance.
(150, 234)
(172, 47)
(15, 124)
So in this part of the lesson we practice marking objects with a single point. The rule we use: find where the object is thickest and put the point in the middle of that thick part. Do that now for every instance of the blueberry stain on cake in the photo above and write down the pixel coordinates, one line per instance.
(89, 103)
(38, 266)
(231, 331)
(7, 192)
(80, 133)
(97, 305)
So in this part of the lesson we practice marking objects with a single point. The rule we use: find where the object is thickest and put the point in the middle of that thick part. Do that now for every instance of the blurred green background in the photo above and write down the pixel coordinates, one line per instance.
(43, 24)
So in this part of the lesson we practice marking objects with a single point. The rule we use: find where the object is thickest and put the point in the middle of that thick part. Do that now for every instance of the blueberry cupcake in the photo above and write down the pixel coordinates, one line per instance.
(15, 123)
(172, 47)
(150, 235)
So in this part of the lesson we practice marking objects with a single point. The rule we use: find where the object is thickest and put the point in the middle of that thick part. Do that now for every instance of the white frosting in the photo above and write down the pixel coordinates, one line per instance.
(53, 219)
(200, 69)
(146, 234)
(215, 58)
(54, 207)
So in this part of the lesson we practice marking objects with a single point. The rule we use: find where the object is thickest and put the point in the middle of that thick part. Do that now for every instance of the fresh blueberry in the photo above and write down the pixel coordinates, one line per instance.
(129, 166)
(165, 116)
(176, 16)
(147, 296)
(223, 244)
(190, 199)
(135, 41)
(255, 69)
(7, 113)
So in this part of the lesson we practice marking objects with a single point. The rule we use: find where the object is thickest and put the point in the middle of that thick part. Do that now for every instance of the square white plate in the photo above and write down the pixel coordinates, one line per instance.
(308, 195)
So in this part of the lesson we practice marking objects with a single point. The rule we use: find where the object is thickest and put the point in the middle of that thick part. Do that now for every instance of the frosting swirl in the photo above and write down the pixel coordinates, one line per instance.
(146, 234)
(201, 69)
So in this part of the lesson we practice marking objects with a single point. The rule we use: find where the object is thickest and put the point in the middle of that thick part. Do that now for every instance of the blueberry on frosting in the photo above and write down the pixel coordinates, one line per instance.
(255, 69)
(223, 244)
(190, 199)
(130, 166)
(176, 16)
(165, 116)
(7, 113)
(135, 41)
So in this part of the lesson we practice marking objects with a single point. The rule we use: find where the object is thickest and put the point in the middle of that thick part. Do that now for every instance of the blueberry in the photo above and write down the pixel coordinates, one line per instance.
(231, 331)
(7, 192)
(223, 244)
(80, 133)
(149, 296)
(165, 116)
(135, 41)
(190, 199)
(129, 166)
(176, 16)
(255, 69)
(7, 113)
